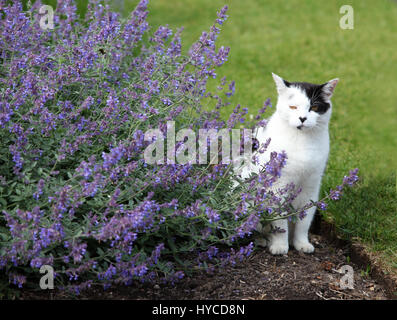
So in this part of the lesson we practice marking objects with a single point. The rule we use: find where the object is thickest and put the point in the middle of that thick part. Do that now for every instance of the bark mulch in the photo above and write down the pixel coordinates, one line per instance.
(261, 277)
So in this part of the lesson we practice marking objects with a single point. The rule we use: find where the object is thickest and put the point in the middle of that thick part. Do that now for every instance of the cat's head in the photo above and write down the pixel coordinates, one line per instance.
(304, 105)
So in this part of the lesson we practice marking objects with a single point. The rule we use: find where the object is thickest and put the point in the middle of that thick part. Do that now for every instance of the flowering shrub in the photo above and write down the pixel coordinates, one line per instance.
(75, 190)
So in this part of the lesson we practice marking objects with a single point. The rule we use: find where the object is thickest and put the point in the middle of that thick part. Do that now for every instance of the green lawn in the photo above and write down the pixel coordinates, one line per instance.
(301, 41)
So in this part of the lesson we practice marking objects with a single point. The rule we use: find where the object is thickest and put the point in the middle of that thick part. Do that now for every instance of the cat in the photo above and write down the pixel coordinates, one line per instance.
(299, 126)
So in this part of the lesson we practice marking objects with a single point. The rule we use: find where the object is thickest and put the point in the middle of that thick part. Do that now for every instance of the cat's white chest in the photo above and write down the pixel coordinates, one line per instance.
(307, 152)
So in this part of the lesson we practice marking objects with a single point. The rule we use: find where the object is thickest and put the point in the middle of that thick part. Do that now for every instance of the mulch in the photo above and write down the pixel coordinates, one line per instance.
(295, 276)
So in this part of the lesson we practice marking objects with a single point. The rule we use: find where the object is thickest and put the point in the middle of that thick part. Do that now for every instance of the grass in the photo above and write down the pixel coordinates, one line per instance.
(301, 41)
(368, 215)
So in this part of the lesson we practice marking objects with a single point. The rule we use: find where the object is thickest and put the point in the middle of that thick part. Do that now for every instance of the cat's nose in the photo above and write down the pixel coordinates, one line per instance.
(302, 119)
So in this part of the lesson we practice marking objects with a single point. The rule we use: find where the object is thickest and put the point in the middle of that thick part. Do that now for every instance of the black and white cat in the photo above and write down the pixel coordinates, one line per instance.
(300, 128)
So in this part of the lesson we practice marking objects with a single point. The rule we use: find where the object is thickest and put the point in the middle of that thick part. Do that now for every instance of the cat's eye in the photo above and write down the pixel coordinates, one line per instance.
(314, 108)
(293, 107)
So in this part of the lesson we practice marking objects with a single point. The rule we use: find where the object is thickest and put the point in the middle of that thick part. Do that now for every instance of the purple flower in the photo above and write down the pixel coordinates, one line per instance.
(335, 195)
(17, 279)
(351, 179)
(39, 190)
(322, 206)
(248, 225)
(212, 252)
(212, 215)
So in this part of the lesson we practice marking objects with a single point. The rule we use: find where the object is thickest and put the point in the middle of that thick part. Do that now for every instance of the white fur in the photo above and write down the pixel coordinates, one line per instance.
(307, 151)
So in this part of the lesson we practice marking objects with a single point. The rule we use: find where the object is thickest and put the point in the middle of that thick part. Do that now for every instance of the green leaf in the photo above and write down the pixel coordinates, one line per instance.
(3, 202)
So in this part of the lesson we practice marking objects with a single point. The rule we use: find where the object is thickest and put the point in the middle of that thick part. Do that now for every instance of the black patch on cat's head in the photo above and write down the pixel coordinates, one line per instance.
(314, 92)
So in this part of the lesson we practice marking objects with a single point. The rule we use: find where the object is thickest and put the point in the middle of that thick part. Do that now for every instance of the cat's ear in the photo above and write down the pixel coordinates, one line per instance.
(329, 87)
(281, 84)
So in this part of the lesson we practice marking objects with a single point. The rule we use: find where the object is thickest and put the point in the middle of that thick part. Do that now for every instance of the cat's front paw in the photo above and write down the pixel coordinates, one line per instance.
(304, 246)
(278, 248)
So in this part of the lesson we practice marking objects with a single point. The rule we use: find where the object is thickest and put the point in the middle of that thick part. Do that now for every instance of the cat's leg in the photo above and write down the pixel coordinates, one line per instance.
(302, 226)
(278, 241)
(277, 236)
(301, 233)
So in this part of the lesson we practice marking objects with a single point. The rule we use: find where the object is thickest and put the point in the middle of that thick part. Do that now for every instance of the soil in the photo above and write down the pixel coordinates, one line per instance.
(261, 277)
(264, 276)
